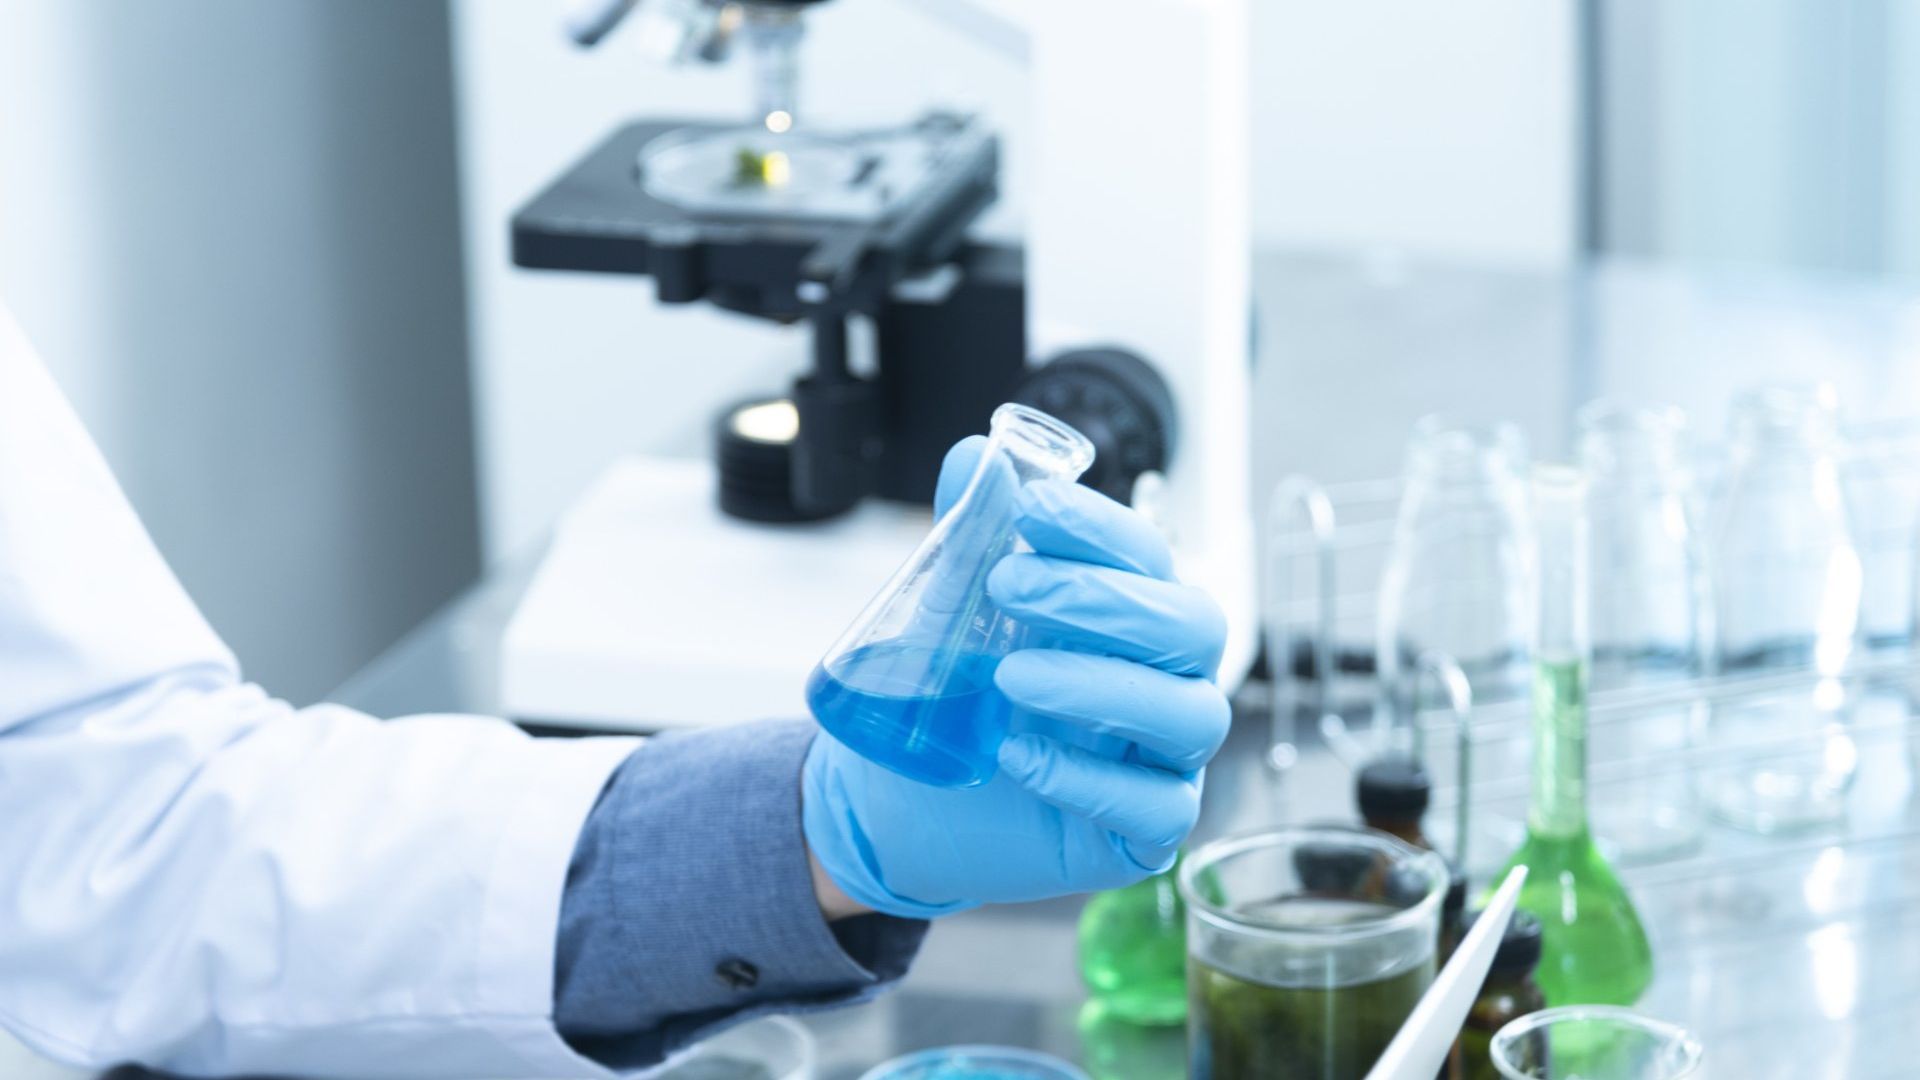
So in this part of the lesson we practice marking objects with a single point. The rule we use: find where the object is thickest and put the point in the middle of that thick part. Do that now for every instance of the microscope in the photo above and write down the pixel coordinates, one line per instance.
(1123, 311)
(774, 220)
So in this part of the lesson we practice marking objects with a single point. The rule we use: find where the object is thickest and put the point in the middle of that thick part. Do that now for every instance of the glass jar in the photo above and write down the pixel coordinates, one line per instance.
(1648, 617)
(1307, 949)
(1456, 580)
(1787, 588)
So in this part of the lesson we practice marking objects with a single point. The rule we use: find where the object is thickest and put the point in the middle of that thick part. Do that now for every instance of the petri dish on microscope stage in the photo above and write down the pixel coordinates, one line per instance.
(808, 174)
(752, 170)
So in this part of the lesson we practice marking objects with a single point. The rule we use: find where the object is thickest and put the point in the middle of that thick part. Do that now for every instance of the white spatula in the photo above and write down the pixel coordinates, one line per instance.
(1417, 1052)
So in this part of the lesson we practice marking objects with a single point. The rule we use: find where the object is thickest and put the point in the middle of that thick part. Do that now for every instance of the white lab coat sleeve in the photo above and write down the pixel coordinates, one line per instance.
(197, 877)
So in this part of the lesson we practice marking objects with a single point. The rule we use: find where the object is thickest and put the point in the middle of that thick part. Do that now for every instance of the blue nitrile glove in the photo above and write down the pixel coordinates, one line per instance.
(1100, 781)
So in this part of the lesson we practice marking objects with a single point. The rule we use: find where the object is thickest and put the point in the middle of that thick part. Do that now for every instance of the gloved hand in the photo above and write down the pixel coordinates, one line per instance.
(1099, 782)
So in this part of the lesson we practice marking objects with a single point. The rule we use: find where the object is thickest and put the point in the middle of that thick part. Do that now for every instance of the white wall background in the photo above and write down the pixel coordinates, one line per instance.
(1783, 133)
(231, 229)
(1435, 129)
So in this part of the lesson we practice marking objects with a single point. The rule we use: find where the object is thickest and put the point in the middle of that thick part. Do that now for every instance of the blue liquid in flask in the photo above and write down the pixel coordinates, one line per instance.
(876, 701)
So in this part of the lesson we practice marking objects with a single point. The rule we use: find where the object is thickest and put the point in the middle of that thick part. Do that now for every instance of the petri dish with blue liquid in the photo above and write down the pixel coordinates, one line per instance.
(976, 1063)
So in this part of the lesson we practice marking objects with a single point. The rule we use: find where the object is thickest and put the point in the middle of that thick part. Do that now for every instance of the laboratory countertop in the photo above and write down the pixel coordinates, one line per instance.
(1003, 975)
(1791, 958)
(1803, 962)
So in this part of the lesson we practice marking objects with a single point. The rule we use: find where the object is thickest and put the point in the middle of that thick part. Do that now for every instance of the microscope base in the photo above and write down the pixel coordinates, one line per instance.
(652, 609)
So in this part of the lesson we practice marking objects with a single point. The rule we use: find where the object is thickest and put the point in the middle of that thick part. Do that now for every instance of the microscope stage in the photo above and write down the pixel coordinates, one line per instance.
(715, 212)
(750, 172)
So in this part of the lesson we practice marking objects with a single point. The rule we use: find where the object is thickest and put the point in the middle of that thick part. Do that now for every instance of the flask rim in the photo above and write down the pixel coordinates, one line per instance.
(1786, 412)
(1628, 443)
(1045, 439)
(1616, 417)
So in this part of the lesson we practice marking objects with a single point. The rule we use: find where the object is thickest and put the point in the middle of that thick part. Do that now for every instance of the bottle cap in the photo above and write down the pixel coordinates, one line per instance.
(1519, 950)
(1331, 867)
(1394, 789)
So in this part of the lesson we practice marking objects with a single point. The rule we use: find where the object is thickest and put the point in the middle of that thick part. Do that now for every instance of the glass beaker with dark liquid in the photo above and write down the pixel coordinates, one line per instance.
(1306, 950)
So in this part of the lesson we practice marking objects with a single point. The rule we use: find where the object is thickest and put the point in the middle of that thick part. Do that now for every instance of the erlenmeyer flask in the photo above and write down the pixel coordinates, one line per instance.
(1787, 586)
(909, 686)
(1649, 614)
(1457, 580)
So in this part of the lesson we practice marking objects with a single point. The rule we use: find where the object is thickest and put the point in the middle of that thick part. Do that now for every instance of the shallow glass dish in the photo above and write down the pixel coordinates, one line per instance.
(975, 1063)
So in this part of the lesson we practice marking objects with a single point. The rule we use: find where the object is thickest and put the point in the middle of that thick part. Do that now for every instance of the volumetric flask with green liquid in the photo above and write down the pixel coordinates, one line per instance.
(1307, 949)
(1595, 950)
(909, 686)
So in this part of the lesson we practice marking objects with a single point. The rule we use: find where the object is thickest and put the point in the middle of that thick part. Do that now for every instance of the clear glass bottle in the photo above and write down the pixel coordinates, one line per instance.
(1456, 580)
(1133, 951)
(1509, 993)
(1787, 590)
(909, 685)
(1594, 950)
(1649, 613)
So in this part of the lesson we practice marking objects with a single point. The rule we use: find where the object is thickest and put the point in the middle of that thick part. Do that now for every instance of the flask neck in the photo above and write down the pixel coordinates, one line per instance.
(1561, 650)
(1559, 807)
(1037, 446)
(1023, 446)
(1786, 420)
(1448, 459)
(1638, 449)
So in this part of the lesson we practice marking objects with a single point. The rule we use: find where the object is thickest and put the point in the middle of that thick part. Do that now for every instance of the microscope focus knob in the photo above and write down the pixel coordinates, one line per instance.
(1117, 400)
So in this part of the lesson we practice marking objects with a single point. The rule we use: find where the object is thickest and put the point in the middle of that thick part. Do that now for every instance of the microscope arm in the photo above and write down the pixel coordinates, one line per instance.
(588, 22)
(1002, 25)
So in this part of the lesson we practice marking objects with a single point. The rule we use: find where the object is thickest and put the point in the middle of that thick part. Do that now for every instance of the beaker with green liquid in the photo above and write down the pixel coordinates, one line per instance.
(1594, 949)
(1307, 949)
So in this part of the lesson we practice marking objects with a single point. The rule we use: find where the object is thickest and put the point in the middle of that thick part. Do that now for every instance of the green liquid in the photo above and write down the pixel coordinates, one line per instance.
(1594, 949)
(1240, 1029)
(1133, 951)
(1112, 1048)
